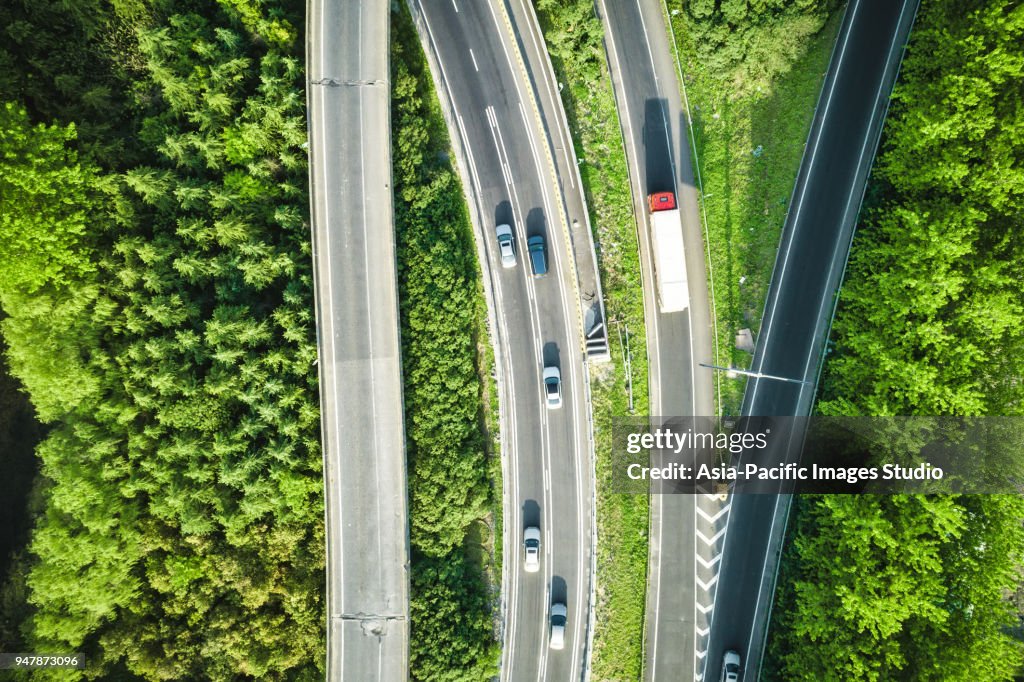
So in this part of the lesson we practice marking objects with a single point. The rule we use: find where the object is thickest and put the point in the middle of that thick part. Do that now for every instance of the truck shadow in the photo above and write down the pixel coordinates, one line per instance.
(658, 147)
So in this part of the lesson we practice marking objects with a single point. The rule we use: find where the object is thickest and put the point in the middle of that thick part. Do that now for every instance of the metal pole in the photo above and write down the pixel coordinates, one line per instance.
(629, 370)
(756, 375)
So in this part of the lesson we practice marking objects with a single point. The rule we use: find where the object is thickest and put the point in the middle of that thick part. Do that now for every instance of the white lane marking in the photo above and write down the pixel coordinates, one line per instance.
(473, 57)
(455, 6)
(657, 588)
(568, 164)
(576, 364)
(799, 203)
(770, 316)
(555, 97)
(569, 386)
(549, 507)
(574, 361)
(704, 609)
(520, 224)
(657, 89)
(499, 141)
(472, 161)
(778, 504)
(339, 566)
(689, 313)
(378, 445)
(509, 435)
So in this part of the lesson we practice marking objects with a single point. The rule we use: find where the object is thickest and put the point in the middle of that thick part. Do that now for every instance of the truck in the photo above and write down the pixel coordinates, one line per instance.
(667, 244)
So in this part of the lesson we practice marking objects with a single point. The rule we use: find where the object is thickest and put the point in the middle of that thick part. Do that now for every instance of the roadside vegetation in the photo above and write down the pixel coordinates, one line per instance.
(455, 504)
(19, 434)
(916, 587)
(752, 77)
(155, 272)
(574, 38)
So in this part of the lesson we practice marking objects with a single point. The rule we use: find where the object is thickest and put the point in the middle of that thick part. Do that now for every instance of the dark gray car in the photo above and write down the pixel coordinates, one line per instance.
(538, 258)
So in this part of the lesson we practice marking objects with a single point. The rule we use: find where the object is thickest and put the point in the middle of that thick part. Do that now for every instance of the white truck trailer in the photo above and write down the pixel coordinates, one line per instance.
(667, 244)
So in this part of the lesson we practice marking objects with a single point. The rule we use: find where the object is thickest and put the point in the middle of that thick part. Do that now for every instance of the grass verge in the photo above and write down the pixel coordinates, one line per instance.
(749, 150)
(574, 37)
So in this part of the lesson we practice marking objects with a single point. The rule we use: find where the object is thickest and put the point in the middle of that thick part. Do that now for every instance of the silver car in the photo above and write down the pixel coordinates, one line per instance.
(731, 667)
(506, 245)
(559, 615)
(531, 544)
(552, 387)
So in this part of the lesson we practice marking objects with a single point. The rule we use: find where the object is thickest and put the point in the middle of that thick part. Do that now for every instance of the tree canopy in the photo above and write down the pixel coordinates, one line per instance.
(752, 43)
(159, 312)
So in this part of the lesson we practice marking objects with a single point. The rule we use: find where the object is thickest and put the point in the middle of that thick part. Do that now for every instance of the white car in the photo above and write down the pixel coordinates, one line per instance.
(506, 245)
(531, 543)
(552, 387)
(731, 667)
(558, 617)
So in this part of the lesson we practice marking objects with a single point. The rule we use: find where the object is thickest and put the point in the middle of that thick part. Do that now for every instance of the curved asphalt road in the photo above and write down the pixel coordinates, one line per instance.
(348, 101)
(812, 256)
(685, 537)
(548, 474)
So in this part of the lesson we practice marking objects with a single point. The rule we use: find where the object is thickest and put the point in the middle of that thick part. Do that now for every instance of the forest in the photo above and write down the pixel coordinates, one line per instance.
(155, 277)
(929, 323)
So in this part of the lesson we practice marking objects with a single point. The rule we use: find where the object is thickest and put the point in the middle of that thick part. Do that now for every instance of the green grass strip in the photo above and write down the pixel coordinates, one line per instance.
(749, 149)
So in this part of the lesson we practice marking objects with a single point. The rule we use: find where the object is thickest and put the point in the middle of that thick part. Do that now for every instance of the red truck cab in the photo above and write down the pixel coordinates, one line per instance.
(661, 201)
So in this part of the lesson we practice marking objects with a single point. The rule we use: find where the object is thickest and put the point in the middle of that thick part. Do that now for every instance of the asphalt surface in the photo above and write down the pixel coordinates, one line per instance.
(808, 271)
(535, 321)
(684, 535)
(563, 155)
(357, 335)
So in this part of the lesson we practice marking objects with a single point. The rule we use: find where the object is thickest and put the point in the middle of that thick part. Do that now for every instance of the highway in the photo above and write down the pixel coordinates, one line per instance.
(348, 100)
(500, 146)
(808, 271)
(686, 533)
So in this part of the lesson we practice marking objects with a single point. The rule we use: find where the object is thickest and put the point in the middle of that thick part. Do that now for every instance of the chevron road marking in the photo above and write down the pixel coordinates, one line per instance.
(712, 519)
(709, 564)
(713, 540)
(706, 586)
